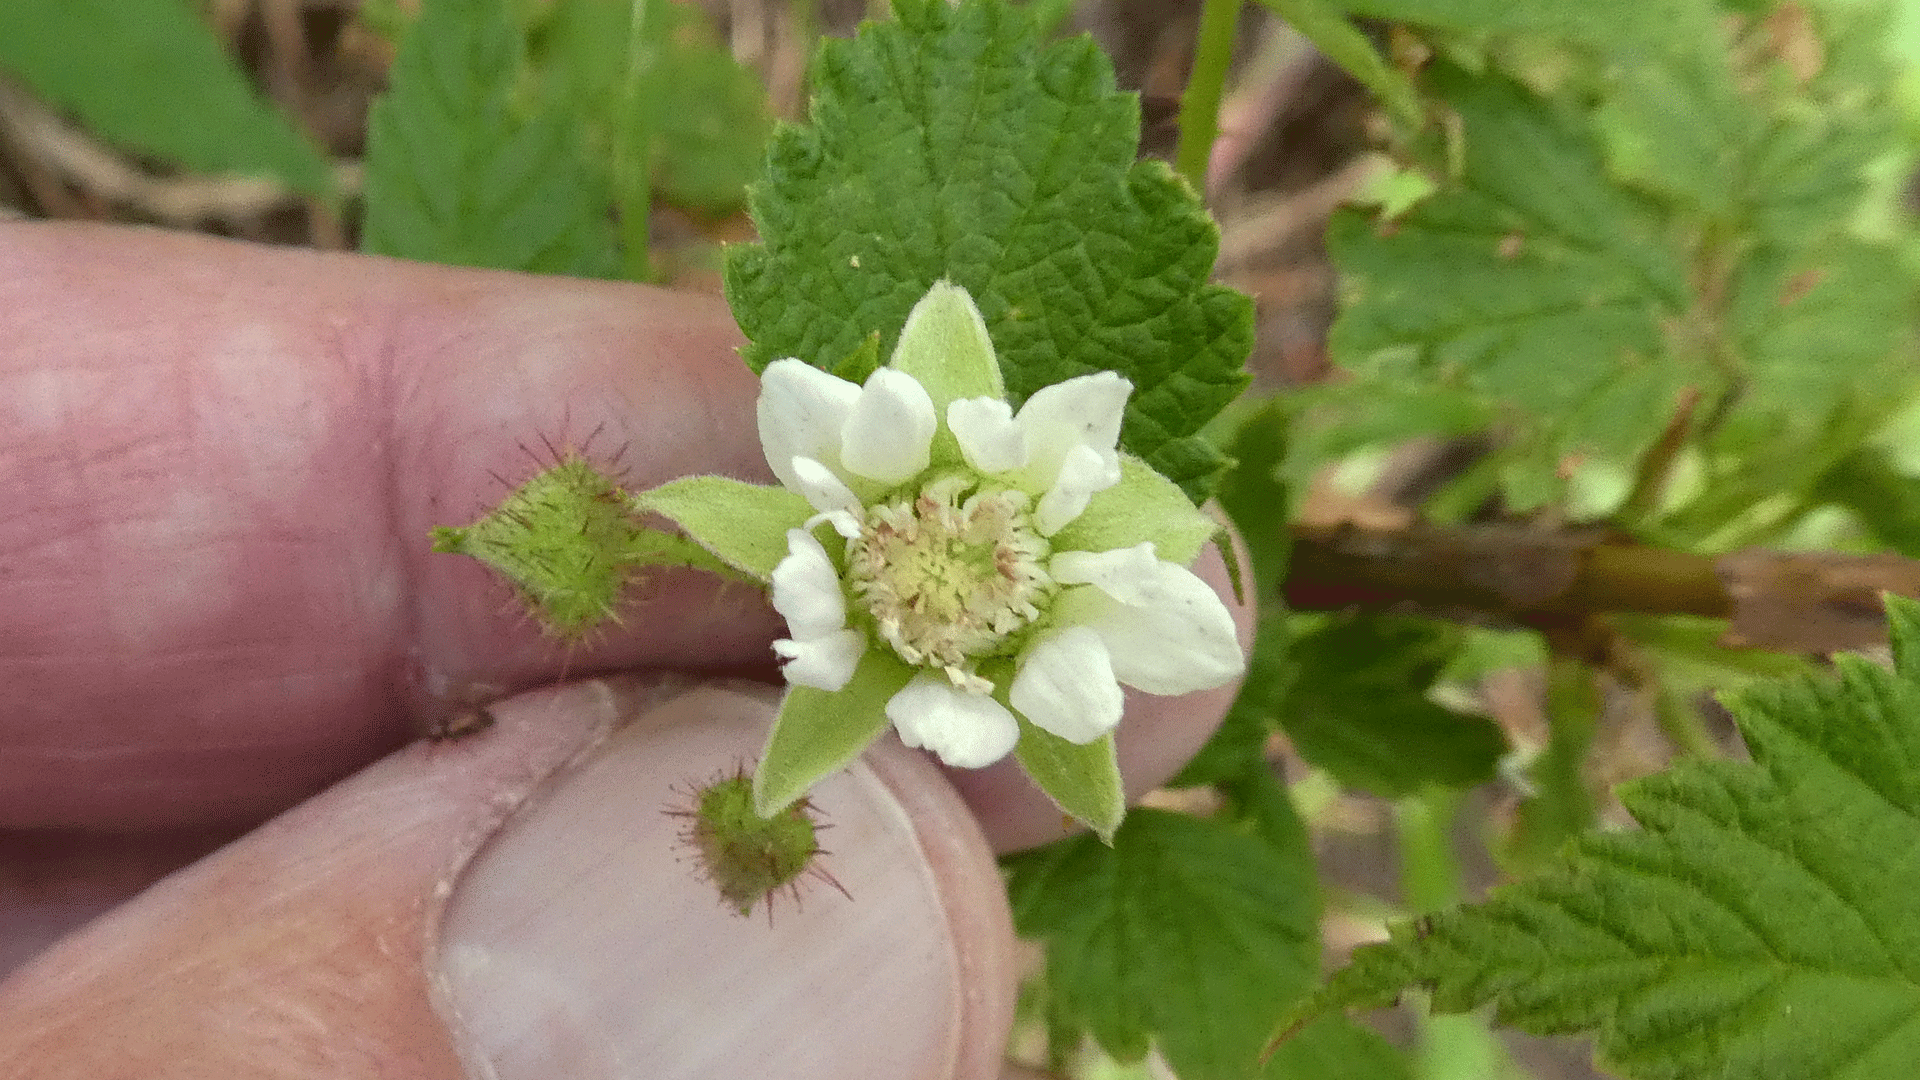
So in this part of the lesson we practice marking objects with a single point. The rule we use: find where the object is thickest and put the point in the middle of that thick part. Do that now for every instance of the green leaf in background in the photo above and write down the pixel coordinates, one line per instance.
(1760, 925)
(1357, 706)
(952, 145)
(702, 117)
(149, 75)
(1335, 1048)
(1651, 198)
(1187, 933)
(455, 176)
(711, 136)
(1538, 285)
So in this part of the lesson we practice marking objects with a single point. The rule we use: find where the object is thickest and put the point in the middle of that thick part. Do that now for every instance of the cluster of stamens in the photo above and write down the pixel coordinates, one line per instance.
(947, 580)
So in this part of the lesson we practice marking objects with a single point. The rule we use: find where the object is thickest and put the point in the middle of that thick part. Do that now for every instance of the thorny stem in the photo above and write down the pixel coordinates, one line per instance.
(1812, 602)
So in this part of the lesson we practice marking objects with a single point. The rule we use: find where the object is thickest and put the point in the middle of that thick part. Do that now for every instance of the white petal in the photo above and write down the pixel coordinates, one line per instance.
(989, 438)
(806, 589)
(1066, 685)
(967, 730)
(1114, 572)
(801, 412)
(889, 432)
(1084, 473)
(1082, 411)
(827, 492)
(825, 663)
(844, 522)
(1167, 631)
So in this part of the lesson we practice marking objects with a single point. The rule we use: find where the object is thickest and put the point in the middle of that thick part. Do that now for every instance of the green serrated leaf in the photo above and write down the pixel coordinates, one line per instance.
(455, 176)
(1357, 707)
(744, 524)
(952, 145)
(819, 732)
(1082, 779)
(1188, 933)
(150, 75)
(1760, 923)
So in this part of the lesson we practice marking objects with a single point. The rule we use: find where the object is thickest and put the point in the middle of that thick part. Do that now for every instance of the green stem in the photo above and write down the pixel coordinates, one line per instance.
(1458, 1047)
(1206, 84)
(1328, 28)
(1430, 874)
(1563, 806)
(633, 147)
(1681, 723)
(651, 547)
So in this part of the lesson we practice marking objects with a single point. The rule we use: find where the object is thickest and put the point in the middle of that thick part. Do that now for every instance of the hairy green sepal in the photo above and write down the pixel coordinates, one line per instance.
(817, 732)
(1083, 780)
(744, 525)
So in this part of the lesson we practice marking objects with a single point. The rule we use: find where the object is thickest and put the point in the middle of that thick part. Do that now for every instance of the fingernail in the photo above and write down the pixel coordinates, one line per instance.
(582, 941)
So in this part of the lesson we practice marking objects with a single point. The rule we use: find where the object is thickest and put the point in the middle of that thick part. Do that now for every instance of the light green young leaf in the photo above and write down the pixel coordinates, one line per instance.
(744, 524)
(952, 145)
(1356, 706)
(150, 75)
(818, 732)
(1186, 933)
(454, 175)
(1760, 924)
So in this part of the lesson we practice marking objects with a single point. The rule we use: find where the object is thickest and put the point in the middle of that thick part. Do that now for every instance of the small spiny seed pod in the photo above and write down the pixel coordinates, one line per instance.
(746, 857)
(560, 539)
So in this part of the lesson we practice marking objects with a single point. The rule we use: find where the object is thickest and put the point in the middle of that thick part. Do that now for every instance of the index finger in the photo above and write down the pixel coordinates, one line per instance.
(222, 462)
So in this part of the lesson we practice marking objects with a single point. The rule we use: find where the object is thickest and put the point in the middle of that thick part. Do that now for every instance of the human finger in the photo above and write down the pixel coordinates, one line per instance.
(222, 462)
(393, 927)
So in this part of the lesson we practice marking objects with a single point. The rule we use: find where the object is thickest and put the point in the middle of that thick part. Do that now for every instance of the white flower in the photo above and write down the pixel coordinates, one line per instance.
(958, 550)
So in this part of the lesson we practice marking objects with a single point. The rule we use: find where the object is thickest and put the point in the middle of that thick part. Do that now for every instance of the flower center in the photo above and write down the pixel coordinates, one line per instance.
(945, 580)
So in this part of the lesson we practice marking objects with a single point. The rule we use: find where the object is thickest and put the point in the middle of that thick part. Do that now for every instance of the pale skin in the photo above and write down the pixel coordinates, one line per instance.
(220, 621)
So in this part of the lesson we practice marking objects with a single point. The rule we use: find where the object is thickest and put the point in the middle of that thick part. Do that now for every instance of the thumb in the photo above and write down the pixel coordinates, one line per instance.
(517, 902)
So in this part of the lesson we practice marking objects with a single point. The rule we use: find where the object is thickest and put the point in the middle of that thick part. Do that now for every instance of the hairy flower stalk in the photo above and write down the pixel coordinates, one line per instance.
(984, 580)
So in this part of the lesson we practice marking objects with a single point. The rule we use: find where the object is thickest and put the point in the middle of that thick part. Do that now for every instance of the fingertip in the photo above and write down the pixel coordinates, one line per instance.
(584, 931)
